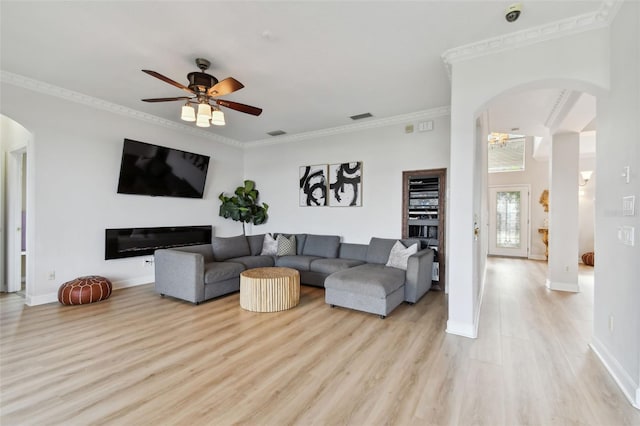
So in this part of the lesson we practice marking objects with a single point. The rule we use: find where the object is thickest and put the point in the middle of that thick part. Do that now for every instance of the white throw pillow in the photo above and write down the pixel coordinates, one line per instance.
(399, 256)
(269, 246)
(286, 246)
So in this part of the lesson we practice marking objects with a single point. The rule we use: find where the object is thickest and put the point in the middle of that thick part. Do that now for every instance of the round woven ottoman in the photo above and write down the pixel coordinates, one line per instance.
(83, 290)
(588, 258)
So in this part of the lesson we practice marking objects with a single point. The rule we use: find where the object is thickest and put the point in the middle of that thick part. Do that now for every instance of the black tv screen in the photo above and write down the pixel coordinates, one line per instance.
(148, 169)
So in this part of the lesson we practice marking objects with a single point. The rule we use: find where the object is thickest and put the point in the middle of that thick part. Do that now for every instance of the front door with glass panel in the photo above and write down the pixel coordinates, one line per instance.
(509, 221)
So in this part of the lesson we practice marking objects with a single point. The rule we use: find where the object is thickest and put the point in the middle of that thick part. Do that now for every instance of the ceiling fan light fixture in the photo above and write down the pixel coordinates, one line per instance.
(202, 121)
(217, 117)
(204, 90)
(204, 111)
(188, 113)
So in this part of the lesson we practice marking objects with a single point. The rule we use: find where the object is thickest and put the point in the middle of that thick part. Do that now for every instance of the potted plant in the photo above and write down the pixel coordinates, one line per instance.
(243, 206)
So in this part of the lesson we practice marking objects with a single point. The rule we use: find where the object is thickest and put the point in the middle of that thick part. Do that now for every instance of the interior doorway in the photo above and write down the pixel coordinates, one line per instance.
(509, 220)
(16, 220)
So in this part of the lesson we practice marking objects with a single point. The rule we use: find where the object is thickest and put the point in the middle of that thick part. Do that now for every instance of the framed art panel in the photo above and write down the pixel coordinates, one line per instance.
(345, 184)
(313, 185)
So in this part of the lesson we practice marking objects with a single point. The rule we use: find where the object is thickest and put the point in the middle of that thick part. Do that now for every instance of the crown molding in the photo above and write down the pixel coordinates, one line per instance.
(348, 128)
(554, 114)
(600, 18)
(70, 95)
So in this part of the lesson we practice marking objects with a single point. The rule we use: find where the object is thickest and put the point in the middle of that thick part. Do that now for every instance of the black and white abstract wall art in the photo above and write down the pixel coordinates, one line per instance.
(313, 185)
(345, 184)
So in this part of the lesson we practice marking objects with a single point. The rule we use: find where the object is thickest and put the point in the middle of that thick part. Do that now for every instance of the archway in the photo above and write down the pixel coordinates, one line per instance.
(475, 83)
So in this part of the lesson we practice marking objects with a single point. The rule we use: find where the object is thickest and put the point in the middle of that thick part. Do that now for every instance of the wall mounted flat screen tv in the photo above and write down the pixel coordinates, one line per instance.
(148, 169)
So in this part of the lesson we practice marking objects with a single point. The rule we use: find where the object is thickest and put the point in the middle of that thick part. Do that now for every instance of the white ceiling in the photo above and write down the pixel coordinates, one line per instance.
(309, 65)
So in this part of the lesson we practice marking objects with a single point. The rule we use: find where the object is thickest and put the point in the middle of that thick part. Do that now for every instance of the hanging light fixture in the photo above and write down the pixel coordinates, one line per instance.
(202, 121)
(217, 117)
(498, 139)
(204, 115)
(204, 110)
(188, 113)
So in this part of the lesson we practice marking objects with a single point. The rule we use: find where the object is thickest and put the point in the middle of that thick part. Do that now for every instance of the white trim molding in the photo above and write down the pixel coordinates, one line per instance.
(629, 387)
(70, 95)
(41, 299)
(560, 286)
(600, 18)
(537, 257)
(554, 115)
(133, 282)
(462, 329)
(442, 111)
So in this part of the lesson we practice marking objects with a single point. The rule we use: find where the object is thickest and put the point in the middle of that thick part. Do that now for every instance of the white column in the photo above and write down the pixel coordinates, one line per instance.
(562, 273)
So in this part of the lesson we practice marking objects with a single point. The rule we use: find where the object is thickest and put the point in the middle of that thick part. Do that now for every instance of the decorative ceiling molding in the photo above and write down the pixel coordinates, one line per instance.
(600, 18)
(70, 95)
(367, 124)
(554, 115)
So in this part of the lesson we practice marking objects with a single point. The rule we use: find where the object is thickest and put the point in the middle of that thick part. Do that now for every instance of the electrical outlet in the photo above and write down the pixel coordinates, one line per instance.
(52, 275)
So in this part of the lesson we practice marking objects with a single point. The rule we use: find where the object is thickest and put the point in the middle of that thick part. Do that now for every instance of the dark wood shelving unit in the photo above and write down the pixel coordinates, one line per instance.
(423, 212)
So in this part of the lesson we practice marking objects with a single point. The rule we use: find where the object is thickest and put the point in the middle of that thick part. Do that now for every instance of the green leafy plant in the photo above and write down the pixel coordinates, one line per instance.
(243, 206)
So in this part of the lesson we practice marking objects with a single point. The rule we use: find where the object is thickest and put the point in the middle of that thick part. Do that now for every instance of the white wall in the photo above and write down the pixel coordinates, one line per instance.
(536, 174)
(385, 153)
(577, 62)
(617, 266)
(75, 164)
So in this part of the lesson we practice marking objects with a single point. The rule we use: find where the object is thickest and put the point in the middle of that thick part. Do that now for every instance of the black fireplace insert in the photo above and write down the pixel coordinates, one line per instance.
(131, 242)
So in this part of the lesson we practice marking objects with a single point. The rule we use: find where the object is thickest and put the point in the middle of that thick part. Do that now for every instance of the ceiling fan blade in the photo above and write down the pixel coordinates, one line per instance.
(180, 98)
(224, 87)
(168, 80)
(240, 107)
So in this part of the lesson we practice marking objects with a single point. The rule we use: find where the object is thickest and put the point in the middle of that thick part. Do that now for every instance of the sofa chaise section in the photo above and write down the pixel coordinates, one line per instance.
(376, 288)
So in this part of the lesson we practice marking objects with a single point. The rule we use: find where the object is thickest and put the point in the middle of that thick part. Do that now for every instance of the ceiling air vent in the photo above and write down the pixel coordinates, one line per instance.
(361, 116)
(277, 133)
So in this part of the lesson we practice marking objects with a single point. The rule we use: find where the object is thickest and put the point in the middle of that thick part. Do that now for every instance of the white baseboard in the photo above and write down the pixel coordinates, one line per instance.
(43, 299)
(465, 329)
(132, 282)
(560, 286)
(462, 329)
(537, 257)
(626, 383)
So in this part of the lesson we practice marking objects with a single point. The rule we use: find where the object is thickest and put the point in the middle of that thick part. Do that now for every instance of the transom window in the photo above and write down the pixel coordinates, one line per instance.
(506, 153)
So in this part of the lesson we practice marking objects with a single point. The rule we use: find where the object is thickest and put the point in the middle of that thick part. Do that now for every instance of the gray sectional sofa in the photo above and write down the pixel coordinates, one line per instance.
(354, 275)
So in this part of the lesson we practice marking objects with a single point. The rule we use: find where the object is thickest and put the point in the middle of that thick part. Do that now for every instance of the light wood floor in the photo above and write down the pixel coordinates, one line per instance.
(139, 359)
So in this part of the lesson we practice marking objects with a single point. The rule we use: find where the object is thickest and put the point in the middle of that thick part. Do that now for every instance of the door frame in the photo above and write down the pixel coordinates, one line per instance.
(492, 250)
(15, 200)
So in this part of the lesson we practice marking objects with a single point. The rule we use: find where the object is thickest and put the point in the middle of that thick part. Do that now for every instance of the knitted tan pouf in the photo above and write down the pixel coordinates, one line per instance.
(588, 258)
(82, 290)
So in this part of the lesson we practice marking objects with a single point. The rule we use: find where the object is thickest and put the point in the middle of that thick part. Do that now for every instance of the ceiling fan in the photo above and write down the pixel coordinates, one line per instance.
(204, 90)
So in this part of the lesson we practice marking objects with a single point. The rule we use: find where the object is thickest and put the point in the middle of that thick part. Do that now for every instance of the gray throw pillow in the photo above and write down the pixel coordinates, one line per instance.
(399, 256)
(286, 246)
(269, 246)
